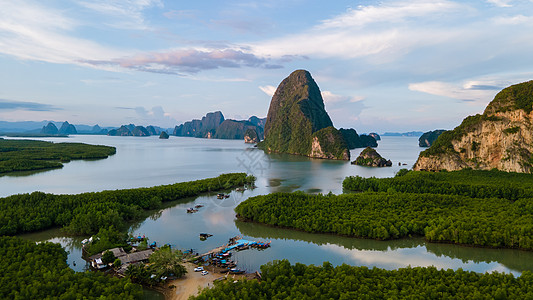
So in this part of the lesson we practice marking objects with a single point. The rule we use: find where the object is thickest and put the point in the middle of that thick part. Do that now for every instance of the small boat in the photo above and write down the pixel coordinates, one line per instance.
(243, 247)
(220, 196)
(191, 210)
(205, 235)
(236, 271)
(239, 189)
(198, 206)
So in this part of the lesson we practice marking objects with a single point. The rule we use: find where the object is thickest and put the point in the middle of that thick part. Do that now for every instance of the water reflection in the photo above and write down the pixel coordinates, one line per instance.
(400, 253)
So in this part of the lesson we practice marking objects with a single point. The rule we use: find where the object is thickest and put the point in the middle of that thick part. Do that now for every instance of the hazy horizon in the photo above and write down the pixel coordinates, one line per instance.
(382, 66)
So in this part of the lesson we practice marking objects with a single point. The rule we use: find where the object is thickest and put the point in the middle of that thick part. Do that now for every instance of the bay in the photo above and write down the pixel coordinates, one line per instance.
(149, 161)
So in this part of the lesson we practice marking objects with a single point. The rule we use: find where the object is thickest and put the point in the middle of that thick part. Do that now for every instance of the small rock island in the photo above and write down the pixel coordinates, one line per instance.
(371, 158)
(251, 136)
(164, 135)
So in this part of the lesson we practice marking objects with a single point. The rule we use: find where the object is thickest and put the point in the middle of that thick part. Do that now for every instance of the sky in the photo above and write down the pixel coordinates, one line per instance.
(381, 65)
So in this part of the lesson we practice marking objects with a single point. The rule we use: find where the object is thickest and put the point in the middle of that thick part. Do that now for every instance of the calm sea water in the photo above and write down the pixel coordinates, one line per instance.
(148, 161)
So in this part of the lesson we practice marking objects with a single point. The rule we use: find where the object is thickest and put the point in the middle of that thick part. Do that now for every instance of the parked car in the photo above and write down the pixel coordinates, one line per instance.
(204, 273)
(198, 269)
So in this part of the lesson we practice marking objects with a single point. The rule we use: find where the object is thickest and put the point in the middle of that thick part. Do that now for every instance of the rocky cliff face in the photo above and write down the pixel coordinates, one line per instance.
(204, 128)
(501, 138)
(296, 113)
(428, 138)
(370, 158)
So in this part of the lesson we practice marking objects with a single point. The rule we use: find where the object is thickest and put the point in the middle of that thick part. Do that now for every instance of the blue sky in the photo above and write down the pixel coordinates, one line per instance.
(381, 66)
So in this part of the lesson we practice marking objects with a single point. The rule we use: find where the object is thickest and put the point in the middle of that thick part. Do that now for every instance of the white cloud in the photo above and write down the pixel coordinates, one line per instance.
(268, 89)
(390, 12)
(331, 98)
(464, 92)
(514, 20)
(500, 3)
(156, 116)
(123, 14)
(38, 33)
(346, 35)
(480, 90)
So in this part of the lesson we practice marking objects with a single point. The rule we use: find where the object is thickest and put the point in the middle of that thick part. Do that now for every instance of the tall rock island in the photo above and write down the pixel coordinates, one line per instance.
(297, 122)
(502, 137)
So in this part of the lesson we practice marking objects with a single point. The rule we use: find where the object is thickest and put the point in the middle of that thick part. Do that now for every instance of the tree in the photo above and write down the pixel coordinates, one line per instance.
(108, 257)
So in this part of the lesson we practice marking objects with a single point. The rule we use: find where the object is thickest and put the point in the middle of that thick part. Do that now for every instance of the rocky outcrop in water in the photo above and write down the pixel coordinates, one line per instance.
(259, 122)
(204, 128)
(140, 131)
(353, 140)
(428, 138)
(375, 136)
(295, 119)
(250, 136)
(67, 128)
(122, 131)
(501, 138)
(371, 158)
(164, 135)
(152, 130)
(235, 130)
(50, 128)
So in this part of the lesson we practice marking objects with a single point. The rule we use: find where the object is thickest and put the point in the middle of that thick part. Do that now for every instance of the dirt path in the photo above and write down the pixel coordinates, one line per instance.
(189, 284)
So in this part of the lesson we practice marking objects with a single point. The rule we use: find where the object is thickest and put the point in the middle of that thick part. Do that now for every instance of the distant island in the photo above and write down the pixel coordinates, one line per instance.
(428, 138)
(501, 137)
(410, 133)
(28, 155)
(48, 129)
(133, 130)
(214, 125)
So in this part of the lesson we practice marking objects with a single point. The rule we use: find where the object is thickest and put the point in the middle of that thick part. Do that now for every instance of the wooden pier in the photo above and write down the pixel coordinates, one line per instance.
(216, 250)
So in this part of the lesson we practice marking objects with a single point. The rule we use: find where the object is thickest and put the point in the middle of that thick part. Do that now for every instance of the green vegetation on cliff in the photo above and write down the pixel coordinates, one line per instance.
(281, 280)
(428, 138)
(332, 143)
(40, 271)
(518, 96)
(487, 222)
(296, 113)
(27, 155)
(353, 140)
(369, 157)
(87, 213)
